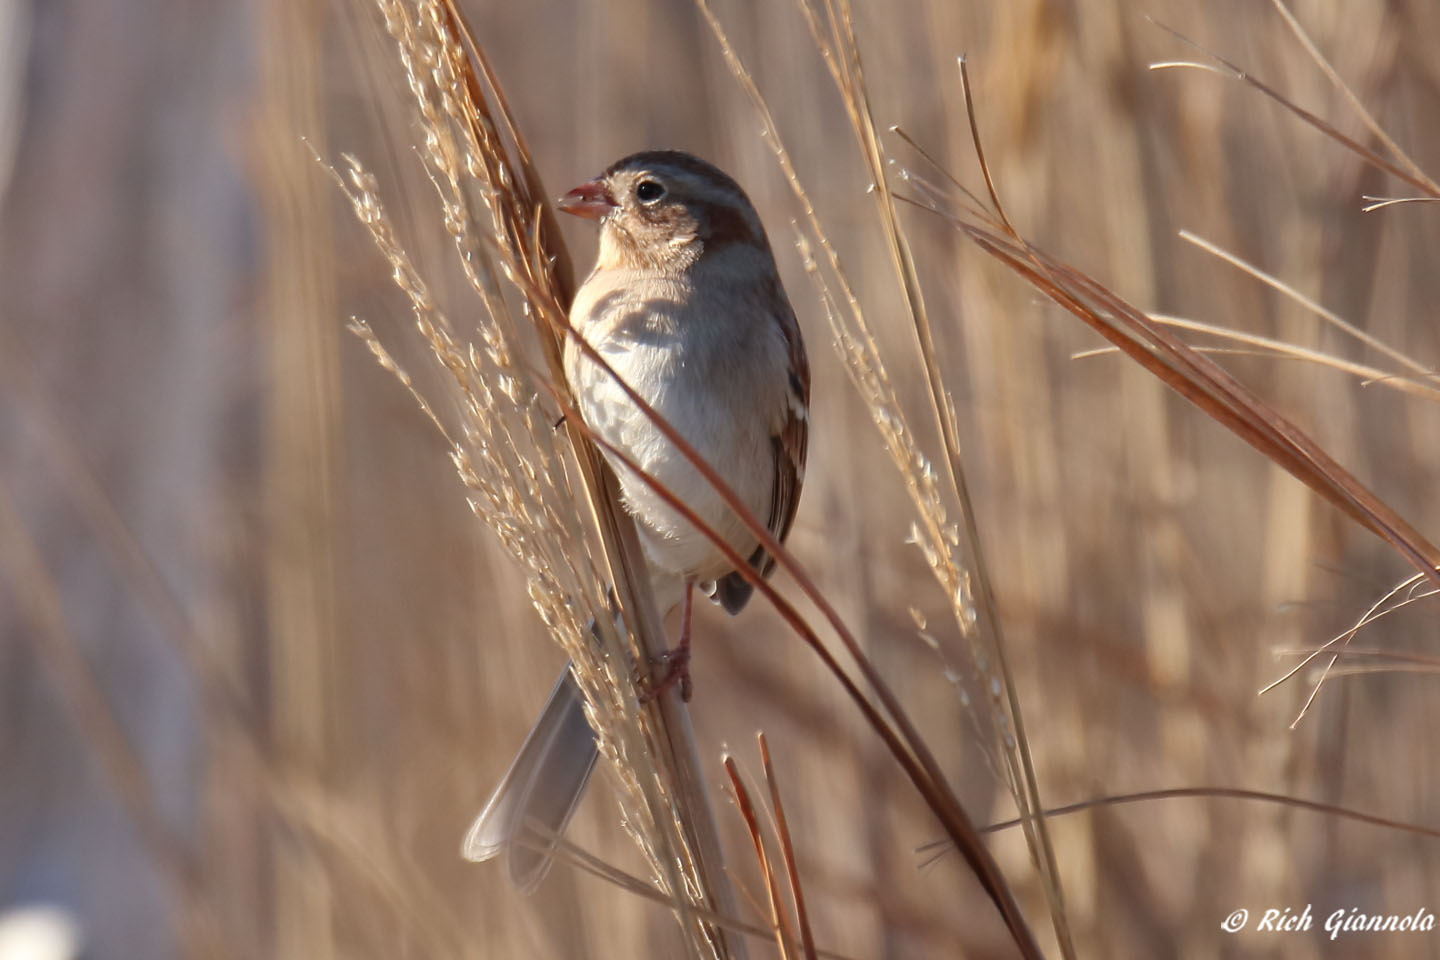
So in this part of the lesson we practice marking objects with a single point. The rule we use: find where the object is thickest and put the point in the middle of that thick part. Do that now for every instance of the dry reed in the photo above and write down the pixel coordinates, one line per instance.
(1144, 569)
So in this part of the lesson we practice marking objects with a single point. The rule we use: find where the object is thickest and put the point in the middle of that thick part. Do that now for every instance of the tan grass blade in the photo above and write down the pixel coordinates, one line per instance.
(841, 54)
(1206, 793)
(1379, 653)
(1273, 349)
(867, 372)
(1335, 645)
(591, 864)
(787, 851)
(1329, 316)
(1355, 103)
(1404, 170)
(1379, 203)
(779, 920)
(1206, 384)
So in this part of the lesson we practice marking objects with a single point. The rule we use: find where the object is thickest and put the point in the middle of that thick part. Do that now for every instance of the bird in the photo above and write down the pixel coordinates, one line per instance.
(686, 305)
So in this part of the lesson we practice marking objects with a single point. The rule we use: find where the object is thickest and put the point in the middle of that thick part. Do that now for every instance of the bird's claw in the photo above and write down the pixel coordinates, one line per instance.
(676, 664)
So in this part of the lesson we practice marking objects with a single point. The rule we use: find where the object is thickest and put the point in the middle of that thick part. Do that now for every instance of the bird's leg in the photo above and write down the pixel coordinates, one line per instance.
(677, 660)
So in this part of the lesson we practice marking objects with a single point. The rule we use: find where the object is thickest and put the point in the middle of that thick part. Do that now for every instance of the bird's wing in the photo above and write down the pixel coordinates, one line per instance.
(789, 442)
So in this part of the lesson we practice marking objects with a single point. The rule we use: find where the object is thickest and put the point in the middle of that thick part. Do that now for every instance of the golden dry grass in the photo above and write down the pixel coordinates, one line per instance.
(365, 660)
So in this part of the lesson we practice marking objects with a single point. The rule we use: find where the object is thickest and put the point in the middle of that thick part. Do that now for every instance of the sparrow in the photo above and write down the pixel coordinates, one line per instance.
(685, 304)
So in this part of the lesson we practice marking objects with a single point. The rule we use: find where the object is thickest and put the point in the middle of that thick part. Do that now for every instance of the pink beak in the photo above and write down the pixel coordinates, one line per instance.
(590, 200)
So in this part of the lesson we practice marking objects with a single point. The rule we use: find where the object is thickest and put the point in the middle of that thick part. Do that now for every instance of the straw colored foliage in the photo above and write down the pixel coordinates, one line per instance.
(297, 525)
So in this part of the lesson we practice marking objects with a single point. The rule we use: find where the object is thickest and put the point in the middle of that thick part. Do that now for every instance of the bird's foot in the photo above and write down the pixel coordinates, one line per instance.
(675, 666)
(677, 661)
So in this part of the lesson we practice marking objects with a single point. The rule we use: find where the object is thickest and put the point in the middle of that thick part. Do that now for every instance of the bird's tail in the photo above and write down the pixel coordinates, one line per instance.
(528, 811)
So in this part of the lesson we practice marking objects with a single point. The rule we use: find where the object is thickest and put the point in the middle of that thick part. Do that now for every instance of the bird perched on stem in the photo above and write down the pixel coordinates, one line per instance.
(685, 305)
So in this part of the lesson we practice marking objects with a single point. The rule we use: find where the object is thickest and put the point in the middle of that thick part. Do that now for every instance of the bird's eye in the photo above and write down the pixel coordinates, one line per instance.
(648, 191)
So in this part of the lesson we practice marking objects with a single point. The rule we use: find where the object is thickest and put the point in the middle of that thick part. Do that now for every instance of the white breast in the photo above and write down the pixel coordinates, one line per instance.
(715, 371)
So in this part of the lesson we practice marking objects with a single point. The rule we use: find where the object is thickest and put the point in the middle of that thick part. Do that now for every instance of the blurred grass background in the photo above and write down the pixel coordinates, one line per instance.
(175, 274)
